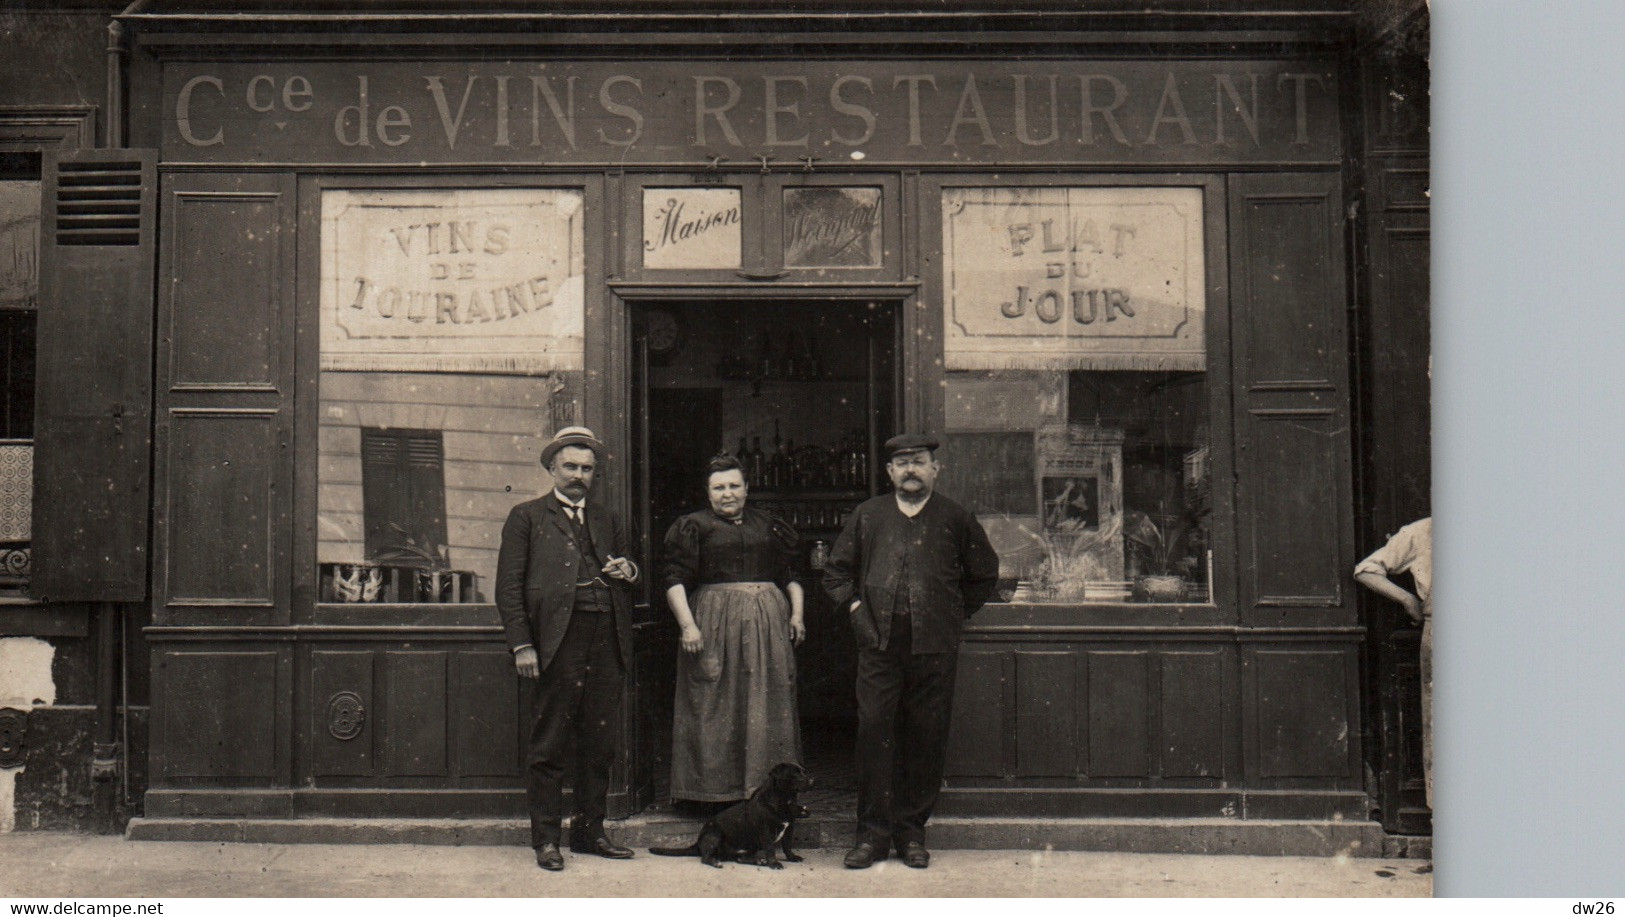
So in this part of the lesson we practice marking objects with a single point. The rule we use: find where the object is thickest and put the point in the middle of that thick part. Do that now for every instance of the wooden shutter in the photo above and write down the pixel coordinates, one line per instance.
(403, 487)
(93, 409)
(1293, 463)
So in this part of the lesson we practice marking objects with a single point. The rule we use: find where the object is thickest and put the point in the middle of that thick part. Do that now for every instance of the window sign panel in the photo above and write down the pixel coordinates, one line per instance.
(1074, 278)
(832, 227)
(1077, 399)
(475, 280)
(692, 228)
(451, 351)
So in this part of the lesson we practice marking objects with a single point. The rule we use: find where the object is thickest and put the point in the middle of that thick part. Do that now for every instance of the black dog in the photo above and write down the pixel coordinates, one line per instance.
(746, 832)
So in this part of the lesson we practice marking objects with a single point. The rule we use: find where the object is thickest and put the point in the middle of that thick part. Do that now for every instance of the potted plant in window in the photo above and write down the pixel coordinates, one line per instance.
(1159, 541)
(1073, 569)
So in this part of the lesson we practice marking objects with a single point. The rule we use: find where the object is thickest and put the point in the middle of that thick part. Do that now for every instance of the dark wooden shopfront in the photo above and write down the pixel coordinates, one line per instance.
(305, 663)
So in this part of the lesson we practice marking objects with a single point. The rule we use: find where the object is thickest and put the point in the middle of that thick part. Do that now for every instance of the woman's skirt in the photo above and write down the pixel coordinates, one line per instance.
(735, 714)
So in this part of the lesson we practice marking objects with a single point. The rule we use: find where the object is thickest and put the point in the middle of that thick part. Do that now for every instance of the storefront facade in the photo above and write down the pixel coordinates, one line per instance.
(1122, 273)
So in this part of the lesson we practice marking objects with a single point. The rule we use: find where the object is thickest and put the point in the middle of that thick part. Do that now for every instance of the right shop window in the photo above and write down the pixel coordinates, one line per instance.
(1077, 400)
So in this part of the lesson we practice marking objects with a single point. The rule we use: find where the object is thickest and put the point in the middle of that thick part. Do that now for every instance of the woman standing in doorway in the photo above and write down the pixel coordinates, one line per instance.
(735, 713)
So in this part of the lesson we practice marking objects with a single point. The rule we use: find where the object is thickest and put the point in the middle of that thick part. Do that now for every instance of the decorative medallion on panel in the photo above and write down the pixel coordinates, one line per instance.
(346, 715)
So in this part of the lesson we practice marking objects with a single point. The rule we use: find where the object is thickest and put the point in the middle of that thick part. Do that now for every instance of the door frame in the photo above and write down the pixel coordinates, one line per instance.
(614, 409)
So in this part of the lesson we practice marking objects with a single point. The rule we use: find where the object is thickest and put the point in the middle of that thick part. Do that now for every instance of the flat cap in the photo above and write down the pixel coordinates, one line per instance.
(571, 436)
(910, 442)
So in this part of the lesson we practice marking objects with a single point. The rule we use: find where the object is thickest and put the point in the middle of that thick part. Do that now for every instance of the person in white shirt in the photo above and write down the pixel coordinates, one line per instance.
(1410, 550)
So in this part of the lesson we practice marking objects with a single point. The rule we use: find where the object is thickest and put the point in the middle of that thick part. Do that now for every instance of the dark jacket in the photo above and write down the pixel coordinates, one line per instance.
(956, 569)
(536, 575)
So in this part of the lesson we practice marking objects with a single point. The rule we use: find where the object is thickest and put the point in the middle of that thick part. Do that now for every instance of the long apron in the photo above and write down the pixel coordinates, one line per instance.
(735, 713)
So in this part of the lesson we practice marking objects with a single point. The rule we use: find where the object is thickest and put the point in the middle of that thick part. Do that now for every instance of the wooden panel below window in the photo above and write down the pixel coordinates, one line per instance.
(1192, 715)
(1046, 714)
(1119, 698)
(342, 713)
(412, 718)
(982, 692)
(217, 715)
(1303, 715)
(484, 714)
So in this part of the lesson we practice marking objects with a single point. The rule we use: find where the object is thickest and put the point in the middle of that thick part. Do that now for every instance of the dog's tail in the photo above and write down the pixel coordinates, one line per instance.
(692, 850)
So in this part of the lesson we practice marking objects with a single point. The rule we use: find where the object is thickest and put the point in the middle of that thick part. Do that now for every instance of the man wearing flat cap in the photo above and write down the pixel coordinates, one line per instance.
(908, 568)
(562, 578)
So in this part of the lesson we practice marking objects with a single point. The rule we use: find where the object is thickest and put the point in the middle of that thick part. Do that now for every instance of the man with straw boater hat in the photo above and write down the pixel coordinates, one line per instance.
(908, 568)
(562, 589)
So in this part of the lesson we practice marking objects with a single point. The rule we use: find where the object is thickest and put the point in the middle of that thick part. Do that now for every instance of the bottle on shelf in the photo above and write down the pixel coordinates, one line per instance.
(764, 356)
(860, 462)
(742, 454)
(809, 358)
(792, 357)
(756, 467)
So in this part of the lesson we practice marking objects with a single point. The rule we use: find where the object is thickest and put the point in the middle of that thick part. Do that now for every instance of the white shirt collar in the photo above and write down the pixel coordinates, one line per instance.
(911, 509)
(569, 502)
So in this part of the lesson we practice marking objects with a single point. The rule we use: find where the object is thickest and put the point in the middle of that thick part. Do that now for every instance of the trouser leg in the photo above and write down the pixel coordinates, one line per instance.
(596, 722)
(879, 686)
(924, 716)
(557, 697)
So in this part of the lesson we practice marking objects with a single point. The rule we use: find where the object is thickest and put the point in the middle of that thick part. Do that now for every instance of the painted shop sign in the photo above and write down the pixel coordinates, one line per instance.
(1073, 278)
(671, 112)
(692, 227)
(457, 280)
(832, 227)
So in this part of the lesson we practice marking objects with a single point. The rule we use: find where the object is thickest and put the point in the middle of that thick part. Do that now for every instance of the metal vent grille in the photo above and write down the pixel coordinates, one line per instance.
(98, 203)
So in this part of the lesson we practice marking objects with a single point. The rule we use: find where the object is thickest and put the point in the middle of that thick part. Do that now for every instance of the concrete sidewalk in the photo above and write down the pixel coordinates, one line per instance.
(62, 865)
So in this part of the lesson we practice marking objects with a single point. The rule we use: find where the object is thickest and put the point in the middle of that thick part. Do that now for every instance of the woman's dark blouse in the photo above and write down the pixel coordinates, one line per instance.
(704, 548)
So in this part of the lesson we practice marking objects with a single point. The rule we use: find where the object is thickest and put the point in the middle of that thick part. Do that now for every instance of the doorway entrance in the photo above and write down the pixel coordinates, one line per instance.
(802, 392)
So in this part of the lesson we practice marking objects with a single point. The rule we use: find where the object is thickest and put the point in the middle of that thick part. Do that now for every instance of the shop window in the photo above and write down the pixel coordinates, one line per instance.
(1077, 399)
(19, 300)
(451, 350)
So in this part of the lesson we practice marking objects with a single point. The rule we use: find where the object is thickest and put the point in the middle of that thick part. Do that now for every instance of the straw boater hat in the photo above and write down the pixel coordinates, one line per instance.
(571, 436)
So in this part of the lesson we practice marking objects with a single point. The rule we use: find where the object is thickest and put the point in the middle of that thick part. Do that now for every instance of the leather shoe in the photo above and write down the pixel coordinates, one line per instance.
(915, 856)
(549, 858)
(862, 856)
(603, 847)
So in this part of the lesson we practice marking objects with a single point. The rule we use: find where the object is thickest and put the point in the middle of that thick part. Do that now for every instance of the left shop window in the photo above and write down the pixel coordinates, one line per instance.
(19, 302)
(451, 338)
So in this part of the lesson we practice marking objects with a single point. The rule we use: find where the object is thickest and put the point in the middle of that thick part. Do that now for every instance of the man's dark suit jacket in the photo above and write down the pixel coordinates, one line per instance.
(536, 575)
(955, 569)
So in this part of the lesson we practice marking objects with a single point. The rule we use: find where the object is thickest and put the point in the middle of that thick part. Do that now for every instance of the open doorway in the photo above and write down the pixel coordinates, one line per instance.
(802, 392)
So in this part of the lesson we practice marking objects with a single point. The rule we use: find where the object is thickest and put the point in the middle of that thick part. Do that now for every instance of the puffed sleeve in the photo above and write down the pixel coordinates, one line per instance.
(786, 549)
(680, 562)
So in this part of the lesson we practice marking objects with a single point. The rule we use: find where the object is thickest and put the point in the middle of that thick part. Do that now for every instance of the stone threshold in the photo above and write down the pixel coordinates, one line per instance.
(1202, 836)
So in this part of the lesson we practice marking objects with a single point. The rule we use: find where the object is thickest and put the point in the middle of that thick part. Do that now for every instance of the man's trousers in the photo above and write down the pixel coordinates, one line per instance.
(576, 701)
(905, 703)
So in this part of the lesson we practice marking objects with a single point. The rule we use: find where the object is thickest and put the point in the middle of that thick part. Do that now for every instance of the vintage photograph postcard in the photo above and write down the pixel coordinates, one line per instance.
(803, 439)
